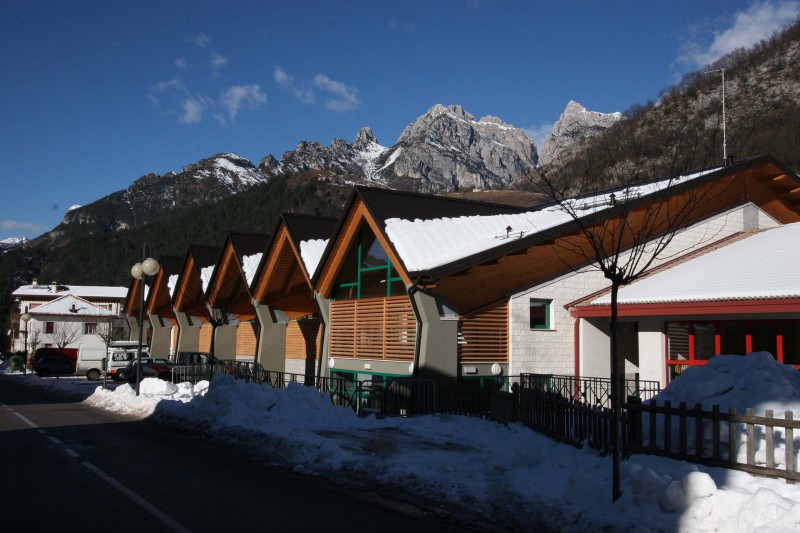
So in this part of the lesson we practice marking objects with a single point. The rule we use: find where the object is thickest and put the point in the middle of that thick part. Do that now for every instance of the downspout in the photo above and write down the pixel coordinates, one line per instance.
(322, 338)
(255, 305)
(418, 337)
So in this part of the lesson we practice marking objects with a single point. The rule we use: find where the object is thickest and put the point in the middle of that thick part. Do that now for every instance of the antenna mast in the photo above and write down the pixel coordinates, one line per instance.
(724, 136)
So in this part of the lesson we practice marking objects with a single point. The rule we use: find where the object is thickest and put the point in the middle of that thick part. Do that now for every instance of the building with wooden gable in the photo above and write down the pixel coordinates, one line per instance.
(428, 286)
(159, 310)
(228, 295)
(188, 301)
(383, 315)
(290, 331)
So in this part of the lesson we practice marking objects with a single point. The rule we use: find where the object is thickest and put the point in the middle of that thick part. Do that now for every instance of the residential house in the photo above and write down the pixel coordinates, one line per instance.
(735, 297)
(158, 308)
(419, 285)
(29, 297)
(227, 295)
(69, 322)
(195, 329)
(282, 296)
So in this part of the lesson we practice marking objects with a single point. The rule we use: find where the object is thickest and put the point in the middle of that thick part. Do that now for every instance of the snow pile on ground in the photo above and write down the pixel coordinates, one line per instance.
(755, 381)
(514, 477)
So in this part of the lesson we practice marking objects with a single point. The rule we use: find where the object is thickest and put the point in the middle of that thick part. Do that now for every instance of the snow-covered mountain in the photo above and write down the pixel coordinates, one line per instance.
(445, 149)
(575, 125)
(12, 242)
(153, 196)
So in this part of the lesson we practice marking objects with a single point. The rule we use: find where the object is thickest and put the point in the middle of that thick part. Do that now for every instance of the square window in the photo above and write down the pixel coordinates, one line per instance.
(89, 328)
(540, 314)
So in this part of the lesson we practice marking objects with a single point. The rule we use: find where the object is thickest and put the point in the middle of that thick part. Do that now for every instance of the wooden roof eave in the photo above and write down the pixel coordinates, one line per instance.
(430, 276)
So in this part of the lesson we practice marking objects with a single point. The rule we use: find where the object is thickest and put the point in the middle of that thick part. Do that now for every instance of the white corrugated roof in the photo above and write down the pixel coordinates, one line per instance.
(763, 265)
(71, 306)
(76, 290)
(426, 244)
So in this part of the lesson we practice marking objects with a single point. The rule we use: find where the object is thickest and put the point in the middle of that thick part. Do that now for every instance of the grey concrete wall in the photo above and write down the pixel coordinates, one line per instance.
(225, 342)
(188, 334)
(438, 338)
(161, 341)
(271, 352)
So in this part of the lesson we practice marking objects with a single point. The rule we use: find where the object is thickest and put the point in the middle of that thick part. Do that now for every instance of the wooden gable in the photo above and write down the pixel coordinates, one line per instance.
(358, 216)
(282, 281)
(228, 289)
(159, 301)
(189, 297)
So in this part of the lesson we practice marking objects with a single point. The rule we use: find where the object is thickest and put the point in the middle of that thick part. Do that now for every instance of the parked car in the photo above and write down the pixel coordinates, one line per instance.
(120, 353)
(54, 365)
(152, 367)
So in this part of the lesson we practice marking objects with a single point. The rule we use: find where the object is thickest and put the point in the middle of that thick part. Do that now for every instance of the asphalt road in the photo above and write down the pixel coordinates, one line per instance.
(65, 466)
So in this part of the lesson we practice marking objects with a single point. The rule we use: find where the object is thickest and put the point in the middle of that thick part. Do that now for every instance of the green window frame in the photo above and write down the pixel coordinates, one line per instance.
(540, 316)
(355, 289)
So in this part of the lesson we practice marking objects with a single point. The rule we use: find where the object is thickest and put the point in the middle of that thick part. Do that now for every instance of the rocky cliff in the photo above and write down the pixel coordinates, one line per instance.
(445, 149)
(575, 125)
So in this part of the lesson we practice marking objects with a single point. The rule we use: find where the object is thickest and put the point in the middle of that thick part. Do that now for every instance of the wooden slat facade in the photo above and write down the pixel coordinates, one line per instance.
(205, 337)
(246, 339)
(374, 328)
(303, 339)
(483, 336)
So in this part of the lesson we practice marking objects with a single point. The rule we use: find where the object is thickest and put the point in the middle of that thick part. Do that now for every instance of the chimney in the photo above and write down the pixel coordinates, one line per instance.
(73, 309)
(35, 282)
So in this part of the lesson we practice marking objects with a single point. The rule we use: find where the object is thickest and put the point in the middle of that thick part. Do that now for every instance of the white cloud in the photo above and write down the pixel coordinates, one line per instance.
(200, 40)
(746, 28)
(180, 63)
(165, 87)
(217, 62)
(21, 228)
(242, 96)
(344, 97)
(194, 107)
(282, 78)
(301, 92)
(539, 133)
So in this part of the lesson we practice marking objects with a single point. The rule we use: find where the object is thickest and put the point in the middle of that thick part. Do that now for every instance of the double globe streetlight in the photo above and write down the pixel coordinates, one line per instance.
(140, 271)
(25, 317)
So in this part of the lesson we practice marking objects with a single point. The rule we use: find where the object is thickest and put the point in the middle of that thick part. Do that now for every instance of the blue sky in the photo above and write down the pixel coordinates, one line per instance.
(96, 94)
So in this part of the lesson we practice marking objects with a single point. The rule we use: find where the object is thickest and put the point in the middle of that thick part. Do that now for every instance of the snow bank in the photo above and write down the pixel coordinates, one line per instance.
(514, 477)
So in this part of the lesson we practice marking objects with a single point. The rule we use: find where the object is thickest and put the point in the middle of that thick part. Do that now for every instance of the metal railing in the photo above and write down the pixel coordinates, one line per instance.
(589, 390)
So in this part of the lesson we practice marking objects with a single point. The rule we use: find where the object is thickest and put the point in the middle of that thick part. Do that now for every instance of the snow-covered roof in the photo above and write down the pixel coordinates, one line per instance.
(205, 276)
(69, 305)
(424, 244)
(76, 290)
(311, 252)
(172, 282)
(250, 265)
(761, 266)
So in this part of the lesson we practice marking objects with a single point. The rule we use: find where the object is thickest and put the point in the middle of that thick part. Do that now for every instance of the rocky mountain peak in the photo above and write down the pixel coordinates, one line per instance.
(364, 140)
(575, 124)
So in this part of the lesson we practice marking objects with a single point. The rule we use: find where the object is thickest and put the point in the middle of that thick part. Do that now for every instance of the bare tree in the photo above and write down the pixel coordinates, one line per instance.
(34, 338)
(65, 332)
(621, 232)
(110, 332)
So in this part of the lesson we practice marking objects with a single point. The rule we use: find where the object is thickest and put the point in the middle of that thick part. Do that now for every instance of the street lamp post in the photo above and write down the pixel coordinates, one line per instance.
(25, 317)
(140, 271)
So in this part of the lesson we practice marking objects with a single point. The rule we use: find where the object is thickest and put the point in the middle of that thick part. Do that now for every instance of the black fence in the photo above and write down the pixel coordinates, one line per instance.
(568, 409)
(589, 390)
